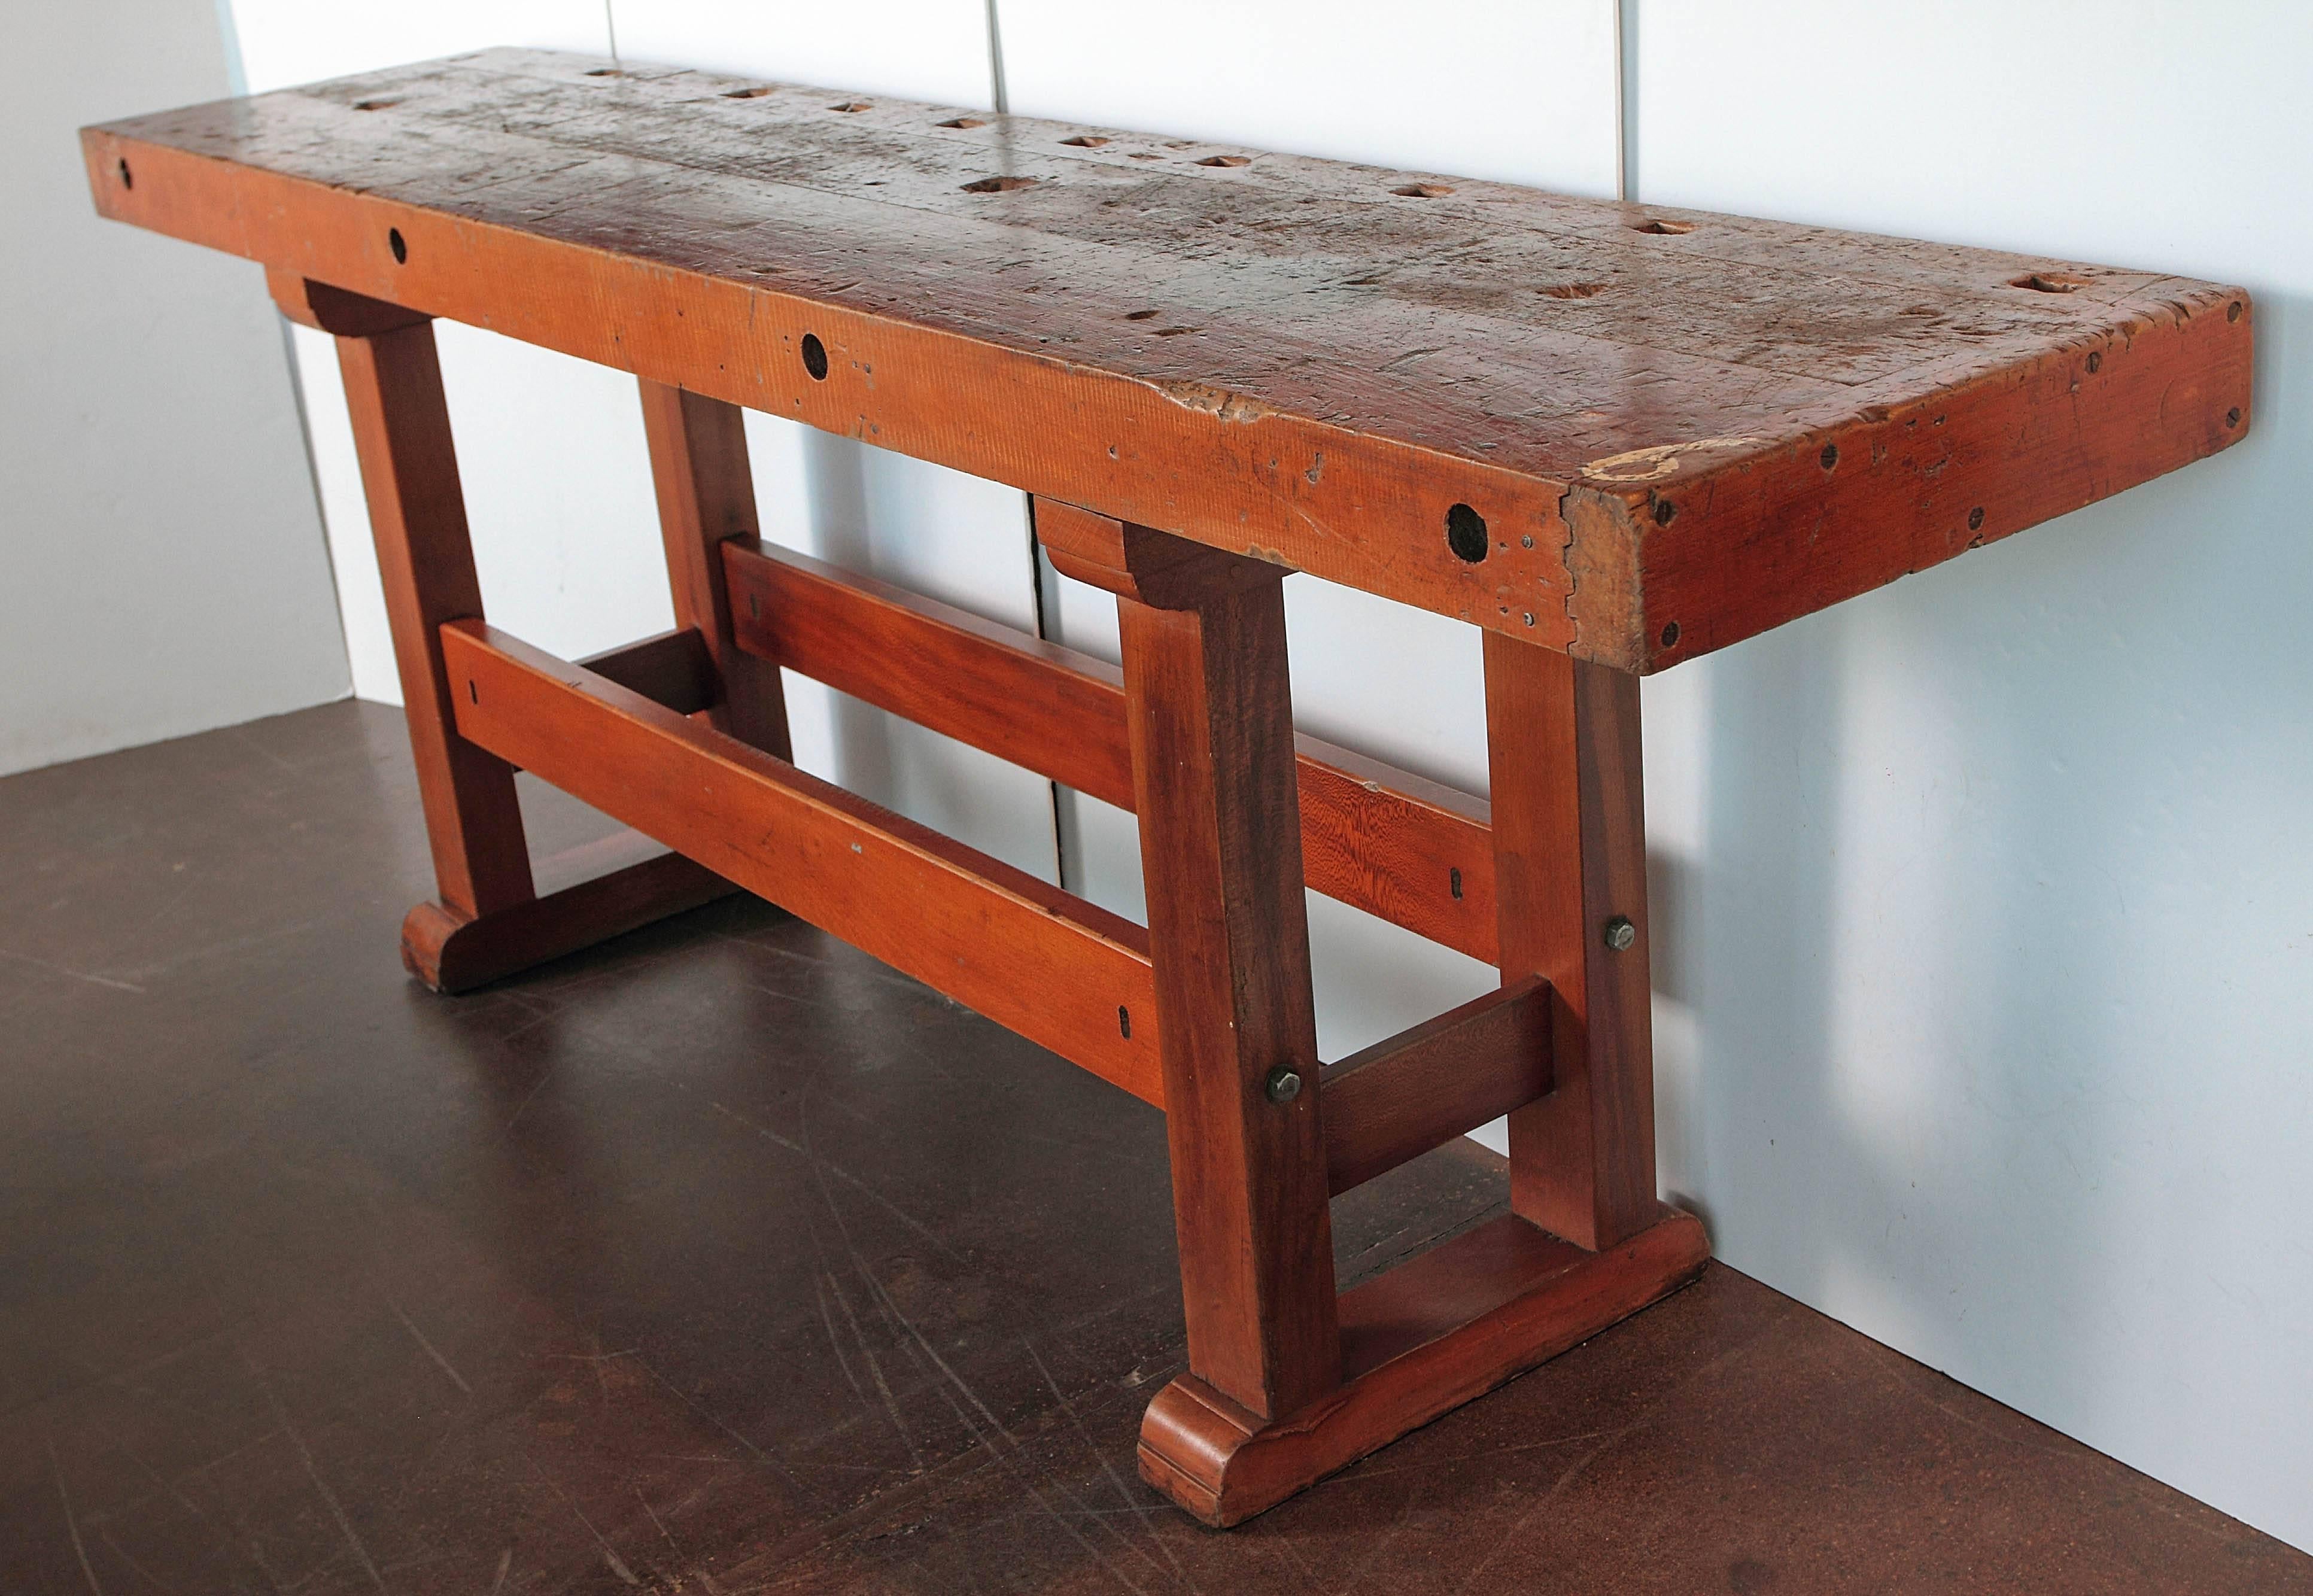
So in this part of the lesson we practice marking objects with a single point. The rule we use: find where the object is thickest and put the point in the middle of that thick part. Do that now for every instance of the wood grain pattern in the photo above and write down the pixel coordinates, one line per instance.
(426, 564)
(1212, 719)
(707, 495)
(1570, 858)
(1447, 1326)
(1677, 428)
(1441, 1079)
(1052, 967)
(1413, 852)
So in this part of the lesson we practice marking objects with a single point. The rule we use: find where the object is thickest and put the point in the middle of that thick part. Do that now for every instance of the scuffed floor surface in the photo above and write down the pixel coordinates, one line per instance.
(723, 1259)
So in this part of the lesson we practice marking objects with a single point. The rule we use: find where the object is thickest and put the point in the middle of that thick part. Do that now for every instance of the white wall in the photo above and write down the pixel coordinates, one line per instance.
(1981, 944)
(162, 558)
(1986, 950)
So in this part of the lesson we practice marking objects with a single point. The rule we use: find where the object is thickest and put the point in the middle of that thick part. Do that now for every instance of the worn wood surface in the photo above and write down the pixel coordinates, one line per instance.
(1415, 853)
(1665, 430)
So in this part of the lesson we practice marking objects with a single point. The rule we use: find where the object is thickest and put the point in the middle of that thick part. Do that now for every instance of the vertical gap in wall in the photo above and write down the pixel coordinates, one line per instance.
(236, 76)
(1626, 99)
(1040, 574)
(997, 100)
(1044, 591)
(611, 27)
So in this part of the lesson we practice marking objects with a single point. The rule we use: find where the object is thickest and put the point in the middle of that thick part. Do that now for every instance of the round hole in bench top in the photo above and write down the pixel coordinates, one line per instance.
(1466, 534)
(1423, 190)
(1662, 228)
(814, 358)
(2049, 282)
(393, 242)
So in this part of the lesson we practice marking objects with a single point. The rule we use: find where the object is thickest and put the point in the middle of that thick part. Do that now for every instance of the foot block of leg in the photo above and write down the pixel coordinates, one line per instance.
(1417, 1342)
(627, 884)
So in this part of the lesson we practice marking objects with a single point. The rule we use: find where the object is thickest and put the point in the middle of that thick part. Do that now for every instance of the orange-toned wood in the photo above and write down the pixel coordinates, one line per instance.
(1211, 721)
(1442, 1079)
(619, 885)
(672, 669)
(1212, 368)
(1413, 852)
(1046, 708)
(1292, 359)
(1053, 968)
(1570, 874)
(1425, 1337)
(425, 562)
(334, 310)
(707, 494)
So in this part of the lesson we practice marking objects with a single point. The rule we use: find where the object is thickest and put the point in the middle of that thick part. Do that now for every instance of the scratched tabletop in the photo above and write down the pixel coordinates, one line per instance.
(1633, 433)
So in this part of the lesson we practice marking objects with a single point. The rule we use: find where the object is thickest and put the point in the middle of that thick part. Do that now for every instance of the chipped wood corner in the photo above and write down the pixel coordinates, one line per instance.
(1604, 603)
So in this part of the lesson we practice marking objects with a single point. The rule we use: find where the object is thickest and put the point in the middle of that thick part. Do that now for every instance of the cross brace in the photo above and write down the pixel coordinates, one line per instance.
(1206, 1012)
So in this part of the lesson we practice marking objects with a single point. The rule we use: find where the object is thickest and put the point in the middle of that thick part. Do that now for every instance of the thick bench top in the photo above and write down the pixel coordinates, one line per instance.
(1633, 433)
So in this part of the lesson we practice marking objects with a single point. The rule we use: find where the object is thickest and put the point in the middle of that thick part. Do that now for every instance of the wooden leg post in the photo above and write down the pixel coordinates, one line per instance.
(707, 494)
(1287, 1382)
(1211, 729)
(1570, 884)
(487, 920)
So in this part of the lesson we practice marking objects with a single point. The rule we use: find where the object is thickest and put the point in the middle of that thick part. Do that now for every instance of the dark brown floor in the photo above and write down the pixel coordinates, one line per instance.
(724, 1259)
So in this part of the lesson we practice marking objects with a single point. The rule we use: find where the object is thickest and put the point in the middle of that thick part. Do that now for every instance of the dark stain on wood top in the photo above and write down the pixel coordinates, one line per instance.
(1679, 428)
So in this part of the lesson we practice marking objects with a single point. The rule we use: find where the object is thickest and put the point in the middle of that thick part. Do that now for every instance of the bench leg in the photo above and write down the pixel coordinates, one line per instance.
(705, 495)
(1570, 891)
(1211, 731)
(488, 919)
(1287, 1382)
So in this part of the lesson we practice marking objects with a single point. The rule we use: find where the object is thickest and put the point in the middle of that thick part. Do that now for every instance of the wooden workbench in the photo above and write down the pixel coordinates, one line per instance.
(1612, 436)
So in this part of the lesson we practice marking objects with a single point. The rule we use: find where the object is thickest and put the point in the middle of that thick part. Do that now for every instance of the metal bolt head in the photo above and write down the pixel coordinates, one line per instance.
(1621, 935)
(1284, 1085)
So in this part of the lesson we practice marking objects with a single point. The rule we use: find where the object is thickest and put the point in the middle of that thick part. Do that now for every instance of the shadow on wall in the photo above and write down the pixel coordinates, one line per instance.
(1998, 859)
